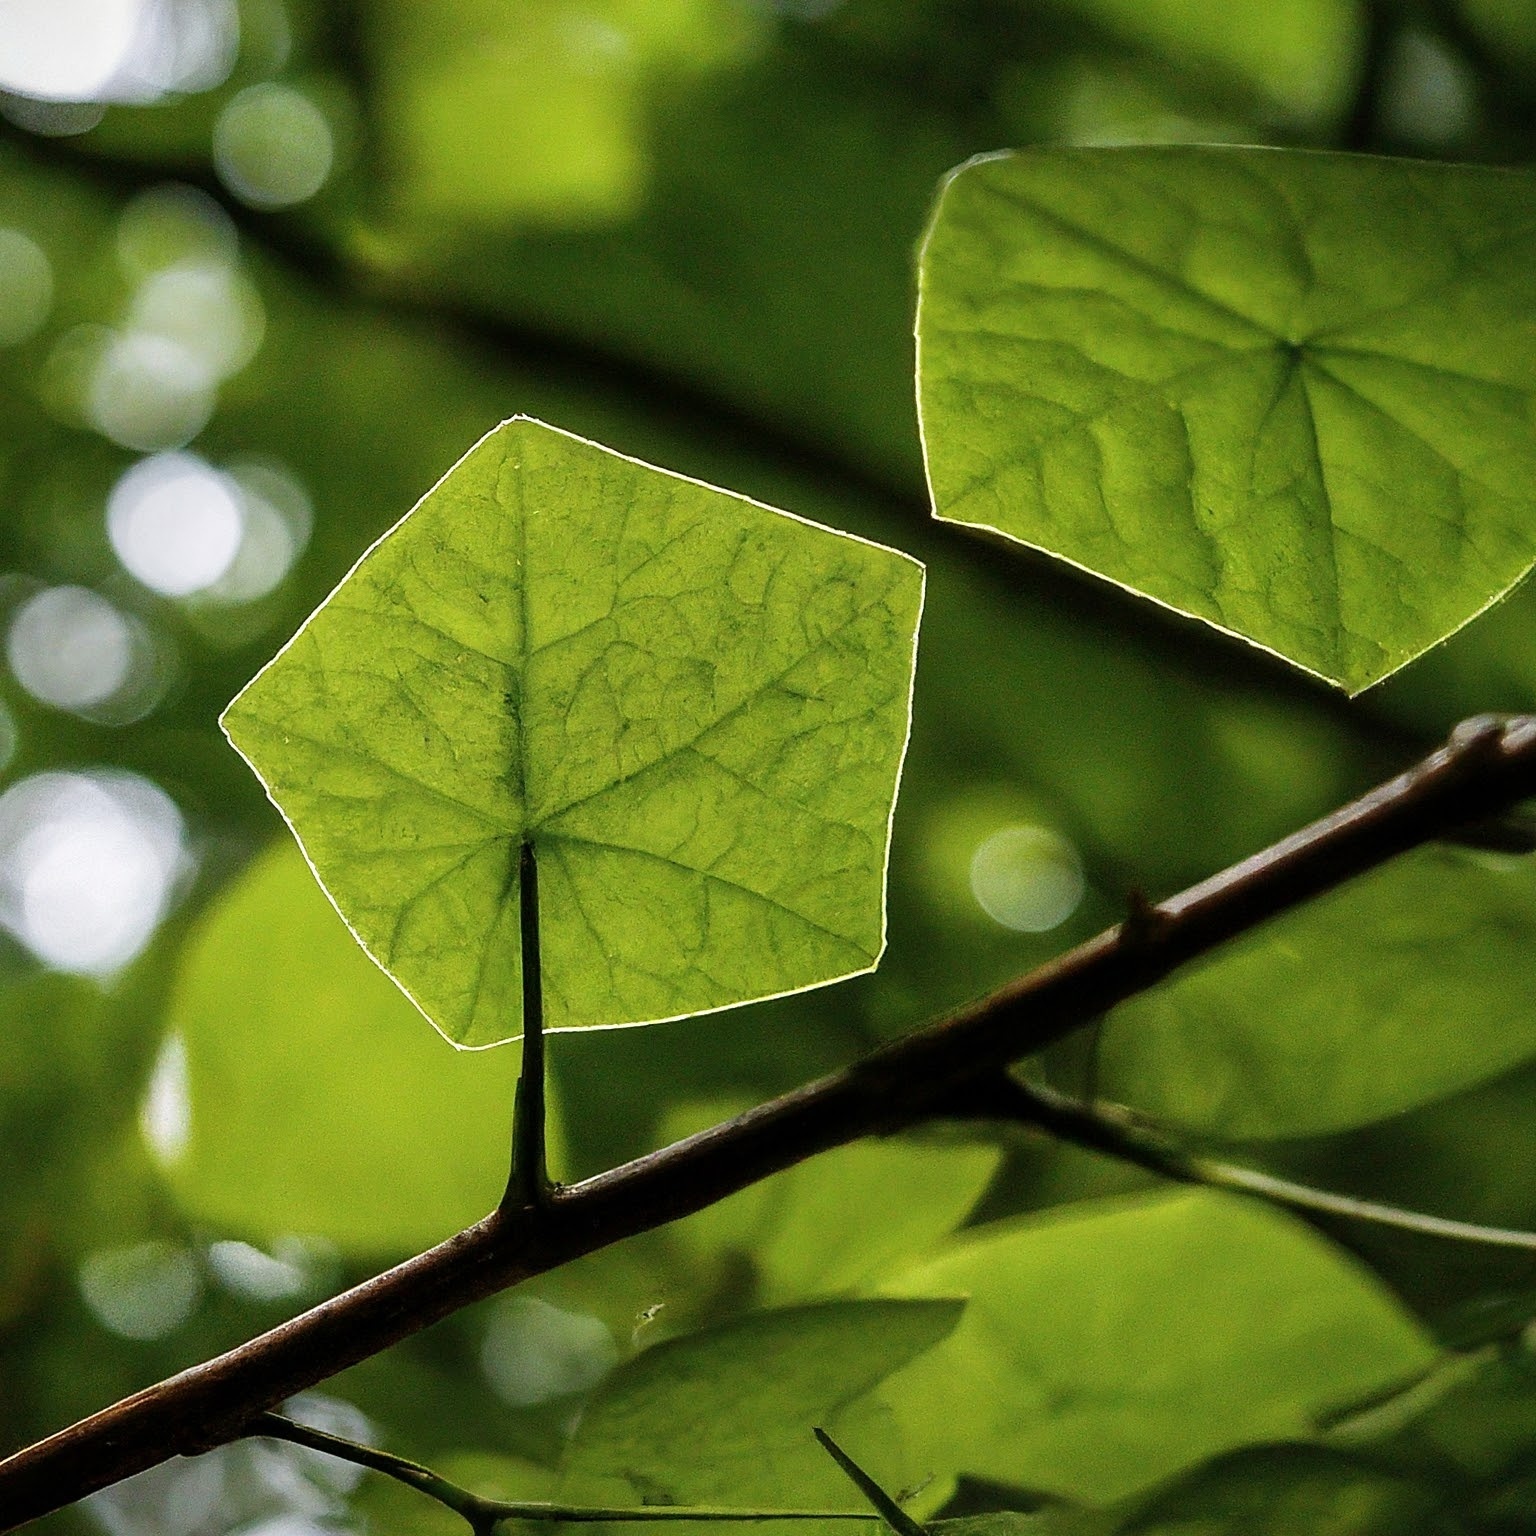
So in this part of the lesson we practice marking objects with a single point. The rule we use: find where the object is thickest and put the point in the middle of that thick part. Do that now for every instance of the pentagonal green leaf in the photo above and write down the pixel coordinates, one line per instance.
(1290, 394)
(1109, 1344)
(694, 707)
(1286, 1032)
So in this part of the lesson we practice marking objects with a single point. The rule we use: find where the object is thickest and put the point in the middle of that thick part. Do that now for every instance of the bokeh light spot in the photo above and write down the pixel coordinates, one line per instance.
(180, 1497)
(278, 520)
(115, 50)
(149, 393)
(331, 1416)
(145, 1291)
(88, 865)
(1430, 95)
(272, 146)
(69, 647)
(170, 225)
(165, 1116)
(246, 1271)
(26, 287)
(52, 119)
(207, 309)
(176, 523)
(1027, 878)
(534, 1352)
(250, 1488)
(65, 50)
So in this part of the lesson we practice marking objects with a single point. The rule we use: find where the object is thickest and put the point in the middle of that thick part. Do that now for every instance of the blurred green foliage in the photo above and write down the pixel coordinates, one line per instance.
(687, 231)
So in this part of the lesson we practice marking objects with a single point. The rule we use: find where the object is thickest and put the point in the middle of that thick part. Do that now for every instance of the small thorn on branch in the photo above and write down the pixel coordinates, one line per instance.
(1478, 737)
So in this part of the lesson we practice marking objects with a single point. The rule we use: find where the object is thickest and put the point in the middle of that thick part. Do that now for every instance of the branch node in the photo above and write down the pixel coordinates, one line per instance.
(1475, 739)
(1145, 923)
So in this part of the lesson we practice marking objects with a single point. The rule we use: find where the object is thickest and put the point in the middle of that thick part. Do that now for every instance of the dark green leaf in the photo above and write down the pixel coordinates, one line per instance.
(1107, 1345)
(1426, 964)
(1288, 1490)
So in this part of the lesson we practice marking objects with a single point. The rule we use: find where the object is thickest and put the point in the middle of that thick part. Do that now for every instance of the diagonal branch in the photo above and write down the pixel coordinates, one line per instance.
(1488, 766)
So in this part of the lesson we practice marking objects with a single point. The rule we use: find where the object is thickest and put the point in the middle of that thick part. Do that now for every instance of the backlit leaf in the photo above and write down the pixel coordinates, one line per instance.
(313, 1100)
(835, 1222)
(724, 1416)
(693, 706)
(1290, 394)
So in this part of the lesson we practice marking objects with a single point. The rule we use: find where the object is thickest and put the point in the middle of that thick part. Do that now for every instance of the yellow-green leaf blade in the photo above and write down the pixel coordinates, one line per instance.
(693, 706)
(1291, 394)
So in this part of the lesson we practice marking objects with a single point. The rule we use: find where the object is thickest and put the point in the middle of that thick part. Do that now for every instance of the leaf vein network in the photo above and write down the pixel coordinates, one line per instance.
(761, 691)
(717, 879)
(1096, 241)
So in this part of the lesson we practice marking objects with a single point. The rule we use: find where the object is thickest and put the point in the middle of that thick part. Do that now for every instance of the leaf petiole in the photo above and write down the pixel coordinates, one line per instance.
(528, 1184)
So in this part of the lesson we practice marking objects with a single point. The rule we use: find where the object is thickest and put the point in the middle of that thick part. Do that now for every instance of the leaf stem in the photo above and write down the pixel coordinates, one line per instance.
(484, 1515)
(1488, 765)
(528, 1184)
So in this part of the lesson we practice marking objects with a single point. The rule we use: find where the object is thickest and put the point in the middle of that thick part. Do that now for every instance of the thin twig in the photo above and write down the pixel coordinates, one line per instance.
(274, 1426)
(1132, 1140)
(528, 1184)
(1488, 765)
(484, 1514)
(1303, 1197)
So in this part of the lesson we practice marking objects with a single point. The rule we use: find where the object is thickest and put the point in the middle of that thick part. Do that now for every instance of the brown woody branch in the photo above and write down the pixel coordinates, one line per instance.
(1488, 766)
